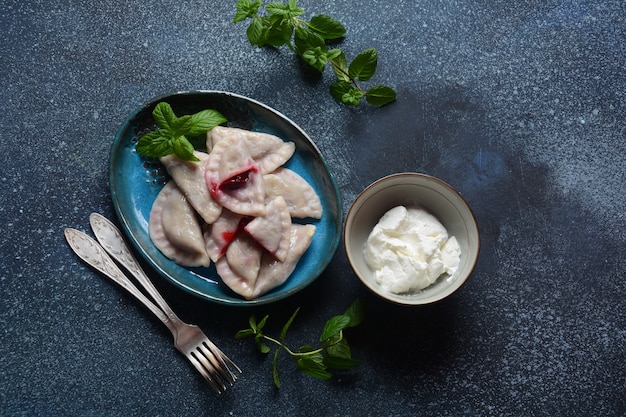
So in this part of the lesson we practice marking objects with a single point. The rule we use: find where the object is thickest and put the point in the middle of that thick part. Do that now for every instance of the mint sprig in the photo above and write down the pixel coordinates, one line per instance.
(172, 133)
(281, 24)
(333, 353)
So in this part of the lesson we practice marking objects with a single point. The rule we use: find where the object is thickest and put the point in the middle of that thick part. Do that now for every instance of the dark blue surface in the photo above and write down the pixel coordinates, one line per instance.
(520, 107)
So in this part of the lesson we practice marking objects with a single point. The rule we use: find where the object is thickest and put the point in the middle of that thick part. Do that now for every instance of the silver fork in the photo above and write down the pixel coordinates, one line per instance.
(207, 358)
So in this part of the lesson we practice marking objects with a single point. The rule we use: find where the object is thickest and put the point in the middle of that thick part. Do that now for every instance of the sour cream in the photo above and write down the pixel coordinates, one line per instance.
(409, 249)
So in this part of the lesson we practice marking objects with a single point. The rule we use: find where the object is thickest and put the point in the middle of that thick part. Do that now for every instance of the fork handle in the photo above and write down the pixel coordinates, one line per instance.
(91, 252)
(112, 241)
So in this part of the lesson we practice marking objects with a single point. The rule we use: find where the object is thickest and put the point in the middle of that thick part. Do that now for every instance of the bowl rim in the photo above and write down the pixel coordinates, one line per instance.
(392, 297)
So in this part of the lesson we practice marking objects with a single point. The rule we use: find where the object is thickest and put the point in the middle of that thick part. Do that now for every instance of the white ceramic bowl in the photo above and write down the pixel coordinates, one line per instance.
(429, 193)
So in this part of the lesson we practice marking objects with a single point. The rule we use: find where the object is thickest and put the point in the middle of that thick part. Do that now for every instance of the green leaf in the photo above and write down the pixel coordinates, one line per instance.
(164, 115)
(252, 323)
(246, 9)
(283, 332)
(306, 39)
(154, 144)
(345, 93)
(363, 66)
(244, 333)
(341, 349)
(279, 31)
(313, 365)
(275, 369)
(263, 348)
(327, 27)
(333, 326)
(380, 95)
(335, 362)
(261, 325)
(180, 126)
(256, 32)
(316, 58)
(340, 65)
(205, 120)
(356, 312)
(183, 149)
(288, 10)
(339, 88)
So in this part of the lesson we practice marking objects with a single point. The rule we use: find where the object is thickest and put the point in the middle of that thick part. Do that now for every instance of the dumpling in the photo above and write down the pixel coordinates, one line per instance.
(244, 257)
(189, 176)
(236, 283)
(239, 268)
(268, 151)
(273, 272)
(300, 197)
(233, 178)
(175, 230)
(272, 230)
(217, 236)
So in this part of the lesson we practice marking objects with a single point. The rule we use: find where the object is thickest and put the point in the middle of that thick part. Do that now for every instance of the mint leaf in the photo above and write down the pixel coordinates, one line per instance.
(256, 32)
(275, 369)
(380, 95)
(244, 333)
(180, 126)
(364, 65)
(333, 326)
(334, 353)
(313, 365)
(246, 9)
(341, 349)
(340, 363)
(339, 88)
(305, 39)
(315, 57)
(356, 312)
(340, 65)
(252, 323)
(327, 27)
(263, 348)
(205, 120)
(154, 145)
(163, 115)
(183, 149)
(283, 332)
(345, 93)
(170, 135)
(288, 10)
(279, 31)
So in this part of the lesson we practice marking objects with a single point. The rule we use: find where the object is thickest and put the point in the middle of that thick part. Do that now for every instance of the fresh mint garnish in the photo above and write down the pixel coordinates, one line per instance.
(281, 24)
(333, 351)
(173, 133)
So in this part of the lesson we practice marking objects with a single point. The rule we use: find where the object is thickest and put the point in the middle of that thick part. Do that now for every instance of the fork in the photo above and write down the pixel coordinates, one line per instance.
(189, 339)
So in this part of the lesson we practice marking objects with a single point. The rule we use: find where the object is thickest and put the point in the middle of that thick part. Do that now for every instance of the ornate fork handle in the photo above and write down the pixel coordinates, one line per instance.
(112, 241)
(92, 253)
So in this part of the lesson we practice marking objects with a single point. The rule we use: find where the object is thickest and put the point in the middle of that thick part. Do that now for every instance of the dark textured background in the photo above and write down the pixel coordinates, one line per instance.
(520, 106)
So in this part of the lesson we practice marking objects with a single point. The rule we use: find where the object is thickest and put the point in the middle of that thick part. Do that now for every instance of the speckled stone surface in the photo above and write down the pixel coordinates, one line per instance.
(521, 107)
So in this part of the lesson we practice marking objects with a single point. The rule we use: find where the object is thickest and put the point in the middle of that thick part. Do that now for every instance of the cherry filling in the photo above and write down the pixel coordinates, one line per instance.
(229, 235)
(236, 181)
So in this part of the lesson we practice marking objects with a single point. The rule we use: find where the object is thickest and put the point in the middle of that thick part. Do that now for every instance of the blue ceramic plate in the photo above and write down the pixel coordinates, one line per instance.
(135, 183)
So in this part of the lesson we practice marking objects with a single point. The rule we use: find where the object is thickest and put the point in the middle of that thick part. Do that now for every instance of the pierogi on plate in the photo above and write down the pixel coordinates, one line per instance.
(235, 207)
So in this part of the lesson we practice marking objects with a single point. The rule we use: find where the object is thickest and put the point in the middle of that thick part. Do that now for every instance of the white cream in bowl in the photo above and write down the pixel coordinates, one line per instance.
(409, 249)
